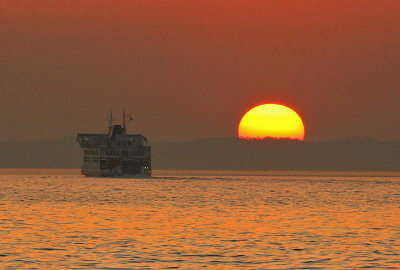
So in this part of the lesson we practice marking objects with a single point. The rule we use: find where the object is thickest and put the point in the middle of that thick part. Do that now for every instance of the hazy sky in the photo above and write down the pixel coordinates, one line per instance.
(191, 69)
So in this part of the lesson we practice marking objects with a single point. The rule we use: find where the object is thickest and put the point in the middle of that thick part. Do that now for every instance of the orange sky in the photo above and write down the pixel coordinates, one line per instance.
(189, 69)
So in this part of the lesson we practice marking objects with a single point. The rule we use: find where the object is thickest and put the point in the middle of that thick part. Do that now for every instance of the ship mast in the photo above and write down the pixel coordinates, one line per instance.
(110, 121)
(124, 122)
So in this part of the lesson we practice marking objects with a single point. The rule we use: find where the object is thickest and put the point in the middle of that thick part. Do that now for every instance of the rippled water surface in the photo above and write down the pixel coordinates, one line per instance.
(191, 220)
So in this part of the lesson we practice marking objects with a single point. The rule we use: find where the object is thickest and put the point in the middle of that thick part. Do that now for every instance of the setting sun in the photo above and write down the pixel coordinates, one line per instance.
(271, 121)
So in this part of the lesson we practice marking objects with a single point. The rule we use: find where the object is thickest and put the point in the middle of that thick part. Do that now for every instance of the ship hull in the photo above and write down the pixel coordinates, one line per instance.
(107, 174)
(117, 168)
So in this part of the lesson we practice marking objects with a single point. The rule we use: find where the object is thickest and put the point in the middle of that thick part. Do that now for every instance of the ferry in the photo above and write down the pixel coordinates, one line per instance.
(115, 154)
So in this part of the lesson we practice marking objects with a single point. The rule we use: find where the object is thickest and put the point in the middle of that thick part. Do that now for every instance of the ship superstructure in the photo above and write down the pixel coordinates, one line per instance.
(116, 153)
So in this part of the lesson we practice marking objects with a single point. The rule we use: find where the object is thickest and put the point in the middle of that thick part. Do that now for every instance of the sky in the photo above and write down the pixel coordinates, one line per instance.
(191, 69)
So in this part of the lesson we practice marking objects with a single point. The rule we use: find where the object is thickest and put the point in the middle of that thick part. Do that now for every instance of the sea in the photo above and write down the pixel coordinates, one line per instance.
(58, 219)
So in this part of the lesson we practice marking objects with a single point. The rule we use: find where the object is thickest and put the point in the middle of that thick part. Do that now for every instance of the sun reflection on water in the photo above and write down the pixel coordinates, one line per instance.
(224, 222)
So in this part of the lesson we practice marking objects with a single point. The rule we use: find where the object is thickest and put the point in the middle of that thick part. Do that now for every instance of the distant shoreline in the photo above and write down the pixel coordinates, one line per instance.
(226, 154)
(61, 171)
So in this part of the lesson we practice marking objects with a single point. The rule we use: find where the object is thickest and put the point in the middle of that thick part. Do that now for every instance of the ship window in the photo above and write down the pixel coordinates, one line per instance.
(90, 152)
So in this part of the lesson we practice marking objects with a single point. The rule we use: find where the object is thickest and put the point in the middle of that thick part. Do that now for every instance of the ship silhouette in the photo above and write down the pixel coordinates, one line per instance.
(116, 153)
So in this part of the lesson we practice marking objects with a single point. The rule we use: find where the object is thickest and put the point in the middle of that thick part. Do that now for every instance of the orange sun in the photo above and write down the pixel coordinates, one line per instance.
(271, 121)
